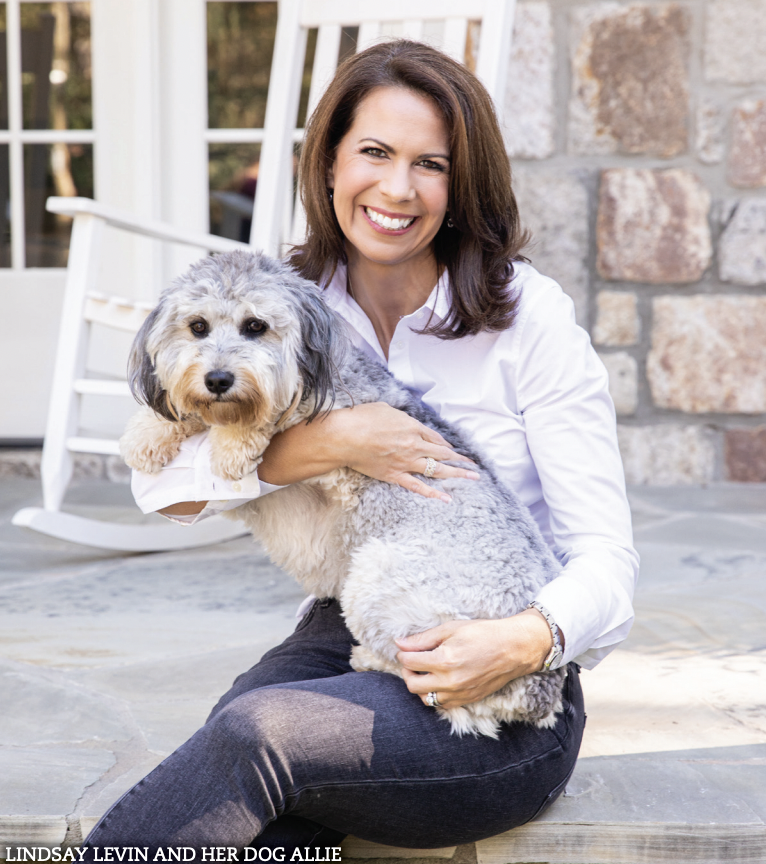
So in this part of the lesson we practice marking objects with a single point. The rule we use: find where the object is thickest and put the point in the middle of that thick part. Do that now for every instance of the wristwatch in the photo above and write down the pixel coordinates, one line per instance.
(556, 652)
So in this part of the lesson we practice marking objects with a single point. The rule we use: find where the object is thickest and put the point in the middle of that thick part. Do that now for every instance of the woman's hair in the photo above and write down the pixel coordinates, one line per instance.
(486, 238)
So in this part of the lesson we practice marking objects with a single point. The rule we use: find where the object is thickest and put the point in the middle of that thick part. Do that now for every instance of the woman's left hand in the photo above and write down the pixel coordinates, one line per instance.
(464, 661)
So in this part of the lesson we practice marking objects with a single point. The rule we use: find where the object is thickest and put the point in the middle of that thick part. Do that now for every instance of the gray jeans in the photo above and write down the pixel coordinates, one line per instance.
(302, 751)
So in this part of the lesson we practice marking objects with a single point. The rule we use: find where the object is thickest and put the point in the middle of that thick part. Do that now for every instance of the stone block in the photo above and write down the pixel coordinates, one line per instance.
(710, 132)
(709, 353)
(630, 88)
(554, 206)
(745, 455)
(623, 381)
(652, 226)
(20, 463)
(735, 33)
(617, 321)
(116, 470)
(667, 455)
(747, 156)
(62, 716)
(742, 245)
(529, 117)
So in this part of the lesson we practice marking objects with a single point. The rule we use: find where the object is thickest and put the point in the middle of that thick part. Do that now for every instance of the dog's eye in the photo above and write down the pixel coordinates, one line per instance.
(199, 328)
(254, 327)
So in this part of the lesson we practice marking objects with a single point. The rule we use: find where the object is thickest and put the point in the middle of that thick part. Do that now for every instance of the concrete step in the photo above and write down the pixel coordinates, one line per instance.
(697, 806)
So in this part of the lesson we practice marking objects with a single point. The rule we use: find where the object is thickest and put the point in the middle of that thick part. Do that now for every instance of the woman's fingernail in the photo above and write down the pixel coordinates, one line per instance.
(446, 499)
(472, 475)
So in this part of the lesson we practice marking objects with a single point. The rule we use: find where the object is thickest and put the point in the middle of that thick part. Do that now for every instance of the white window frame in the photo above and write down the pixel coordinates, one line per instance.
(16, 136)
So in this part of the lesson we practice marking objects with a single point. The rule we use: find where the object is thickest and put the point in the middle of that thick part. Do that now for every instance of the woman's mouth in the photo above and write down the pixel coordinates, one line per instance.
(388, 224)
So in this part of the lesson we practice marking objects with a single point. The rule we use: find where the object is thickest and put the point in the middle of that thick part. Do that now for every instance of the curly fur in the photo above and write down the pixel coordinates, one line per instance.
(398, 562)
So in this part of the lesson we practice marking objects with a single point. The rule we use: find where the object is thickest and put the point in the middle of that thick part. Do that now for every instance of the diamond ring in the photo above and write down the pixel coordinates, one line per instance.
(430, 467)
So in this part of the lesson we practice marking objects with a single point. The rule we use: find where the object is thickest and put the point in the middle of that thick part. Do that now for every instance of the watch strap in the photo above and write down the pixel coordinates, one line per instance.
(556, 652)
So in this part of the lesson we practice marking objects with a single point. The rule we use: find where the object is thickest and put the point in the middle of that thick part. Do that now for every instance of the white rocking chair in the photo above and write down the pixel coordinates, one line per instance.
(276, 220)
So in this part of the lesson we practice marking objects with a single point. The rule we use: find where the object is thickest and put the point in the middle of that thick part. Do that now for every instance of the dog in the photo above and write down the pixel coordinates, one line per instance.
(243, 346)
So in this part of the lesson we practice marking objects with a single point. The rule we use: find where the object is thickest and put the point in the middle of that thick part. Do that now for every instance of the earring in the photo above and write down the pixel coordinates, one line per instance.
(329, 192)
(450, 223)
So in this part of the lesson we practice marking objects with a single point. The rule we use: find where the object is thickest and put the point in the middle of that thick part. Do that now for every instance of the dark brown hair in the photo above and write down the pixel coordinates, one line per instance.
(487, 238)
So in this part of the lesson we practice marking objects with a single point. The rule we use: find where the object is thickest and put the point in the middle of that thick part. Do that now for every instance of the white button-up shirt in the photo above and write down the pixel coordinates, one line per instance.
(535, 399)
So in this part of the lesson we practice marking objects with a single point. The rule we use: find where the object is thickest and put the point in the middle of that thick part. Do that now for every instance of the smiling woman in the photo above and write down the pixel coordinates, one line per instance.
(443, 137)
(390, 198)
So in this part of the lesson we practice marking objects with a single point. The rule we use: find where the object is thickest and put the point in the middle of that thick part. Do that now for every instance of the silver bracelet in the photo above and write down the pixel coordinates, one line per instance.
(556, 652)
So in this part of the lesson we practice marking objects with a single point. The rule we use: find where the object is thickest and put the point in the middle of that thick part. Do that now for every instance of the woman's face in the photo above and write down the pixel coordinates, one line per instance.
(391, 177)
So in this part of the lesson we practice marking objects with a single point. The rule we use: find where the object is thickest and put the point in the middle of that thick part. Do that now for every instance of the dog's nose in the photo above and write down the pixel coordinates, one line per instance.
(218, 381)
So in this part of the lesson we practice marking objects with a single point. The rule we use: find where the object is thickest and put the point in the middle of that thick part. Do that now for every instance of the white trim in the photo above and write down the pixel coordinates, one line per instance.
(15, 126)
(315, 13)
(49, 136)
(243, 136)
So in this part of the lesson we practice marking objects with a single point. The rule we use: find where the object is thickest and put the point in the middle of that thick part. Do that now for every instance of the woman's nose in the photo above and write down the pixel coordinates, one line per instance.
(397, 184)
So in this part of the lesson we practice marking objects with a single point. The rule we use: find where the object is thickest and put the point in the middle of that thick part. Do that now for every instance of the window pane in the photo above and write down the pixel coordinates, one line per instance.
(3, 74)
(233, 172)
(5, 209)
(308, 65)
(240, 43)
(55, 65)
(53, 169)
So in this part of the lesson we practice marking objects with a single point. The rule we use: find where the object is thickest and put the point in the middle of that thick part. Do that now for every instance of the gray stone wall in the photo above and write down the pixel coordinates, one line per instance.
(637, 132)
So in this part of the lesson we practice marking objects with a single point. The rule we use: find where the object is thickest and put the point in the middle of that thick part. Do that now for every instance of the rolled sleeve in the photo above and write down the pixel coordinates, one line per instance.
(189, 478)
(569, 418)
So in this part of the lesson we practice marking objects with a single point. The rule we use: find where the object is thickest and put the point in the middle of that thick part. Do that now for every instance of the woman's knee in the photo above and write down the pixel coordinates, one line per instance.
(251, 721)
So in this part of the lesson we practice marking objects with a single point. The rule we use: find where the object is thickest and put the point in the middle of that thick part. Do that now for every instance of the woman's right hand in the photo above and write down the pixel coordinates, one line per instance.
(374, 439)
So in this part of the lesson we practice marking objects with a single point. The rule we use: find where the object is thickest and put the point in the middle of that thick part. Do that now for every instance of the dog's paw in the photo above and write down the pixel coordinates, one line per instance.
(150, 442)
(235, 452)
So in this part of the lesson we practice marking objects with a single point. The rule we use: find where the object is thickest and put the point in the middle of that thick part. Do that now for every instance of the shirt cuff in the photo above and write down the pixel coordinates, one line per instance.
(189, 478)
(591, 602)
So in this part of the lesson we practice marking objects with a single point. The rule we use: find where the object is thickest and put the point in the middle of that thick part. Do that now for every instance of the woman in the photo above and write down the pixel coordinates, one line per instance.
(414, 234)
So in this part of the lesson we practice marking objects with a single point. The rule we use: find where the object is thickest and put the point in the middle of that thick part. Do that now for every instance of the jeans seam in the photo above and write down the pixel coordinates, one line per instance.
(417, 780)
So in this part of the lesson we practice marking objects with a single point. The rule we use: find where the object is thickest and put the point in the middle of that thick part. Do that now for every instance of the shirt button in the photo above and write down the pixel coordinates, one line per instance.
(398, 343)
(237, 487)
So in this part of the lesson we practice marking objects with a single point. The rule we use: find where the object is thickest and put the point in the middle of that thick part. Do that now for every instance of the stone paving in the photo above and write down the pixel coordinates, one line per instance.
(107, 662)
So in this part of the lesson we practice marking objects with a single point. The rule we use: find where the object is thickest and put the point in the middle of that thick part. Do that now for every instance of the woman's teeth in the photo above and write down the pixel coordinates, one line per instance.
(387, 222)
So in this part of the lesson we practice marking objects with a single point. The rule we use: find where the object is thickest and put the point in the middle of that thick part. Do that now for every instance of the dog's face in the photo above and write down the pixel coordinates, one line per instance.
(240, 338)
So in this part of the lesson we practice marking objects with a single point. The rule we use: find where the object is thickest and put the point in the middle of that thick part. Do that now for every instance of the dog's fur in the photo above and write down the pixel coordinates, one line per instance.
(399, 563)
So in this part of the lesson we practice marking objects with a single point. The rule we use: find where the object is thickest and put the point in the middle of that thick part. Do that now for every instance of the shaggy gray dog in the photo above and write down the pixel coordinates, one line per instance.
(245, 347)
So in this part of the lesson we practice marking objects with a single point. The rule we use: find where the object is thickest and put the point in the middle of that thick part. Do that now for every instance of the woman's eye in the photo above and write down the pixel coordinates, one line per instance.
(374, 151)
(433, 166)
(199, 328)
(254, 327)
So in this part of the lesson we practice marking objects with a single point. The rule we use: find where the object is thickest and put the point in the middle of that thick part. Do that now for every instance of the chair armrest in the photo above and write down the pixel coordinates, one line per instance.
(137, 225)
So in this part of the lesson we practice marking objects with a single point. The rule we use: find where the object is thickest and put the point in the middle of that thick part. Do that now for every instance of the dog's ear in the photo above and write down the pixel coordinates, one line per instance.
(320, 346)
(142, 377)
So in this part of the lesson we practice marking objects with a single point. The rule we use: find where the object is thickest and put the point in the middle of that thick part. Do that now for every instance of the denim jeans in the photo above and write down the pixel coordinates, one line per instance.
(302, 751)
